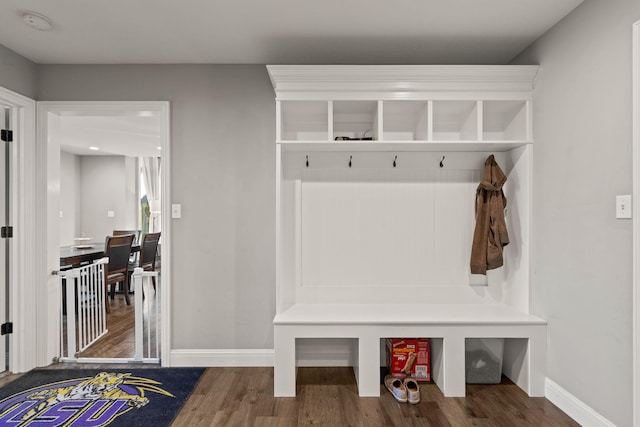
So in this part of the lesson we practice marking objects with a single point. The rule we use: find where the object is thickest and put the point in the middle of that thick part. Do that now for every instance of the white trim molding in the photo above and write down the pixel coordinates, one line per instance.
(636, 223)
(574, 407)
(22, 342)
(222, 358)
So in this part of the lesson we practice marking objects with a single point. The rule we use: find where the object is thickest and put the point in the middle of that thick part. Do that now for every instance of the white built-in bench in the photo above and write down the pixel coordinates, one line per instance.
(448, 325)
(363, 226)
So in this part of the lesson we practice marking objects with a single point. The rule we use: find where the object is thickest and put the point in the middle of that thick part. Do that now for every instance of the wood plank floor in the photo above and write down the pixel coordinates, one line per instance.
(329, 397)
(119, 342)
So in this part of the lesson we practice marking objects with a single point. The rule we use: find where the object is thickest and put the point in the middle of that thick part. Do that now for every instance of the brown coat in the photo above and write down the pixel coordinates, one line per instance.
(490, 234)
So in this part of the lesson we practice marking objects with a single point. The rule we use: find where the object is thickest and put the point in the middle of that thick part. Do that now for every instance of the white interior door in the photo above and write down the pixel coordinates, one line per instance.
(53, 287)
(5, 214)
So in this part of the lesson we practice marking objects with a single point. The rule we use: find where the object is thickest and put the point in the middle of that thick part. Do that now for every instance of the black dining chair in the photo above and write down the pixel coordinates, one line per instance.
(136, 240)
(148, 252)
(118, 250)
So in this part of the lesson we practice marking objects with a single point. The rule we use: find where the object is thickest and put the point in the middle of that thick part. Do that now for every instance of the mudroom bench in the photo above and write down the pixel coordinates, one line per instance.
(447, 325)
(377, 171)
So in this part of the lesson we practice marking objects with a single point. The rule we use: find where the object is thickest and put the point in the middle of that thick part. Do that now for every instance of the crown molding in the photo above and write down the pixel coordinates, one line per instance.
(398, 81)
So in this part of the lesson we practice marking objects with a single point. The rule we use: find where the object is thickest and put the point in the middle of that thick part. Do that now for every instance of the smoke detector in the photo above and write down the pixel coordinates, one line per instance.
(37, 21)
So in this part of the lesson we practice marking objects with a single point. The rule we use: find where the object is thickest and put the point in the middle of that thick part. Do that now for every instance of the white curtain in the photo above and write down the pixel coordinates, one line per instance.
(151, 173)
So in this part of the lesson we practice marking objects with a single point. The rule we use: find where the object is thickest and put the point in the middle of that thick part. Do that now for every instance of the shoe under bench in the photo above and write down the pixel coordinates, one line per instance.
(447, 325)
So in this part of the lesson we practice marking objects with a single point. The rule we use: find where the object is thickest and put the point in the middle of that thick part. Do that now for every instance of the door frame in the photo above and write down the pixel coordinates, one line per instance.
(636, 222)
(23, 278)
(49, 326)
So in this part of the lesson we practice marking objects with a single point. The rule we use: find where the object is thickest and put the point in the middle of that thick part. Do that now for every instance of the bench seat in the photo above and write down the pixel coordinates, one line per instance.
(448, 325)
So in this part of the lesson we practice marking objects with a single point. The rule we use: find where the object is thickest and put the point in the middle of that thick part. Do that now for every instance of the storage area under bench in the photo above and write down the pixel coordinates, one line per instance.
(447, 325)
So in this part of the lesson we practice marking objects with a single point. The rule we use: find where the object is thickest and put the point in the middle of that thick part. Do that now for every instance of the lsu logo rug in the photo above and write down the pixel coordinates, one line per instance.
(87, 402)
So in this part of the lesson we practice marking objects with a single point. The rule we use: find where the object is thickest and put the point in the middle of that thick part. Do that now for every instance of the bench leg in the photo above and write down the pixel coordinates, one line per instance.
(537, 362)
(284, 367)
(453, 365)
(368, 369)
(524, 361)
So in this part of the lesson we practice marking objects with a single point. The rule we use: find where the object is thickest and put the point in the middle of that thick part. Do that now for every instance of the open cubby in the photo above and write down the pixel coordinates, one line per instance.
(355, 119)
(455, 120)
(504, 120)
(304, 121)
(405, 120)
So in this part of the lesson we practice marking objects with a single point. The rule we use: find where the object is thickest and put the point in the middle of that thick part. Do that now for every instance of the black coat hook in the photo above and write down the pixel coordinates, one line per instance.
(442, 162)
(350, 160)
(394, 161)
(307, 161)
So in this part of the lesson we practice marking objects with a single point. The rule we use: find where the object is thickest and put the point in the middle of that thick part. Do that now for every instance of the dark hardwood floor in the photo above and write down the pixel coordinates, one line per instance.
(119, 342)
(329, 397)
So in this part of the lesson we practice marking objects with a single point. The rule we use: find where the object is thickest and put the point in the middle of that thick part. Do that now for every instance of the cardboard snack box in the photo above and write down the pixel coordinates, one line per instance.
(409, 357)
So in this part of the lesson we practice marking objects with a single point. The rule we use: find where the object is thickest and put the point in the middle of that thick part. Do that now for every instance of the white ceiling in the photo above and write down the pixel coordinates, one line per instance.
(132, 134)
(279, 31)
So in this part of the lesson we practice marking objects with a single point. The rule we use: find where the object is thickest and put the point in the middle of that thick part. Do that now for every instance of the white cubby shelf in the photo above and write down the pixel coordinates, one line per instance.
(376, 173)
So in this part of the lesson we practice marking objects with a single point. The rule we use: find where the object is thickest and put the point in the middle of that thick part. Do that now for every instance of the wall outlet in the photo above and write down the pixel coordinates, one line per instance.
(623, 206)
(111, 214)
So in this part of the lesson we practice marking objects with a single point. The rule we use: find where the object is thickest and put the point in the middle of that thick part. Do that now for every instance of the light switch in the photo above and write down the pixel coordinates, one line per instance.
(111, 214)
(623, 206)
(176, 210)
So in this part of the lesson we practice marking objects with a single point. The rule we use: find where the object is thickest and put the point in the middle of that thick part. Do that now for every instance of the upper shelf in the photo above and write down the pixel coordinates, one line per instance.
(400, 146)
(423, 121)
(416, 107)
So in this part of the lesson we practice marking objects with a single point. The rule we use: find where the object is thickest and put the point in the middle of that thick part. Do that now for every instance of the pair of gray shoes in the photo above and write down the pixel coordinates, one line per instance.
(406, 390)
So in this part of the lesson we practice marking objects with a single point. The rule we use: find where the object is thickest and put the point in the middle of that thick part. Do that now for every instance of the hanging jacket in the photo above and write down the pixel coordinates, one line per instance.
(490, 234)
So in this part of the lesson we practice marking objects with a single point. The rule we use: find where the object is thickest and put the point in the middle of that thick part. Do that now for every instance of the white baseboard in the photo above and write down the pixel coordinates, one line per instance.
(221, 358)
(574, 407)
(252, 357)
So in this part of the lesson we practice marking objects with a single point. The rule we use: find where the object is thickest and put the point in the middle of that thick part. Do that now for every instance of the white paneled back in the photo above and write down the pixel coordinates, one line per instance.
(387, 228)
(373, 232)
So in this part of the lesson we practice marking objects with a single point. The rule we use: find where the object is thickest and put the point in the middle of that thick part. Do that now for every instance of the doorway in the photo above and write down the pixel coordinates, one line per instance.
(99, 154)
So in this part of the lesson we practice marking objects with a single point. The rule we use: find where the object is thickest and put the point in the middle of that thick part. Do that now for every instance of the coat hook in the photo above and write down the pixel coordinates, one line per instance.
(394, 161)
(442, 162)
(350, 160)
(307, 161)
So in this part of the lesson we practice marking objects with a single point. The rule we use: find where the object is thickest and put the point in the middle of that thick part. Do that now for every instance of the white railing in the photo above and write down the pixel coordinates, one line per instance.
(147, 316)
(86, 317)
(85, 320)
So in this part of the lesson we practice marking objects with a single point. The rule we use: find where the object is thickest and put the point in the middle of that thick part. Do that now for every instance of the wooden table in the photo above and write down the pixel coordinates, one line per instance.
(72, 255)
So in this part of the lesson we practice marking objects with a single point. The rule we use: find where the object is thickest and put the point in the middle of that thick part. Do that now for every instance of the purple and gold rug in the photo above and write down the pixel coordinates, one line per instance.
(96, 398)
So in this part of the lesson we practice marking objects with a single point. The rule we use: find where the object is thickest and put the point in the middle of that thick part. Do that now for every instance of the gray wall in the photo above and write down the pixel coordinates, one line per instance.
(582, 264)
(69, 198)
(223, 174)
(89, 187)
(104, 187)
(17, 73)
